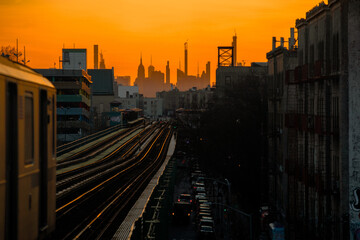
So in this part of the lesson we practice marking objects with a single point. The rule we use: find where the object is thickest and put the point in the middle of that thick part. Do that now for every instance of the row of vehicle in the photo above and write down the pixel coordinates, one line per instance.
(204, 218)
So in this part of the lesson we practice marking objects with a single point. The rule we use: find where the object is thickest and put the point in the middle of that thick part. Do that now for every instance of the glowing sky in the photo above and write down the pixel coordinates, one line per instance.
(125, 28)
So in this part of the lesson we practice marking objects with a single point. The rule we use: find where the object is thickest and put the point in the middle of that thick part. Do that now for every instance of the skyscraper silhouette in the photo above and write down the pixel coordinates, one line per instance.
(96, 56)
(167, 73)
(141, 70)
(234, 45)
(186, 58)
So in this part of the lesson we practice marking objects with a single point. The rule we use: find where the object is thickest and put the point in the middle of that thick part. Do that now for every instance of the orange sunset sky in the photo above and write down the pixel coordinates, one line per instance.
(158, 28)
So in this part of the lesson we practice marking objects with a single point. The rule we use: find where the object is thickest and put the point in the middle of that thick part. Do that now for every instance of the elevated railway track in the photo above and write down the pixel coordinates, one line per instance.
(93, 199)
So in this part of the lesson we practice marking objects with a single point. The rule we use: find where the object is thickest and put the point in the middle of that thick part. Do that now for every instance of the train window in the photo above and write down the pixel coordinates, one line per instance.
(53, 124)
(29, 128)
(12, 168)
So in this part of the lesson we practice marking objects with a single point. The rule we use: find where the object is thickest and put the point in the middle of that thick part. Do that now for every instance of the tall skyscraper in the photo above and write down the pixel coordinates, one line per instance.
(151, 69)
(186, 81)
(186, 58)
(96, 55)
(102, 61)
(167, 73)
(141, 70)
(140, 80)
(207, 71)
(234, 45)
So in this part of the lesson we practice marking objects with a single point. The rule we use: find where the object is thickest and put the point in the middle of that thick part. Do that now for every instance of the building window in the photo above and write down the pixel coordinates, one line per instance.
(301, 155)
(312, 161)
(53, 126)
(335, 104)
(101, 107)
(300, 57)
(227, 80)
(300, 107)
(321, 51)
(311, 106)
(336, 60)
(66, 57)
(320, 106)
(29, 126)
(311, 60)
(336, 168)
(312, 54)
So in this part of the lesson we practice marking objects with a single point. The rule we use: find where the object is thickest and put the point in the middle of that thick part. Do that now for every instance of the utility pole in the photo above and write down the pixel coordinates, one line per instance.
(24, 61)
(17, 50)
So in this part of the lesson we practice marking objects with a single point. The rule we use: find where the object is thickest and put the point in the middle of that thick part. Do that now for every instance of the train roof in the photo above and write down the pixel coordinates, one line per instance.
(21, 72)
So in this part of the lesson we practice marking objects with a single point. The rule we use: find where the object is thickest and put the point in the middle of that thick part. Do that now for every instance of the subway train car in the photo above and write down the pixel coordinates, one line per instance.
(27, 153)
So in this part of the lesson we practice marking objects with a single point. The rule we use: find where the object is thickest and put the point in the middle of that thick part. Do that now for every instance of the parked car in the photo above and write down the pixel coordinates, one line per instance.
(206, 222)
(200, 190)
(207, 232)
(203, 201)
(200, 196)
(185, 197)
(204, 208)
(181, 212)
(198, 184)
(201, 215)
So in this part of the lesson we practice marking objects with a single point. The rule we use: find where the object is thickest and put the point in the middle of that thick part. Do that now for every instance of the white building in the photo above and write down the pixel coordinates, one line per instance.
(153, 107)
(74, 58)
(127, 91)
(133, 101)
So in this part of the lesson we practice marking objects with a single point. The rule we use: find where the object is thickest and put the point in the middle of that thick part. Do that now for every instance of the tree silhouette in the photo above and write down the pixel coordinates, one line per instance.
(10, 53)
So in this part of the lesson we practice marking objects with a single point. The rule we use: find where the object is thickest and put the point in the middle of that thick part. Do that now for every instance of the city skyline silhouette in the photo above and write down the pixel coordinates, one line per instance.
(158, 28)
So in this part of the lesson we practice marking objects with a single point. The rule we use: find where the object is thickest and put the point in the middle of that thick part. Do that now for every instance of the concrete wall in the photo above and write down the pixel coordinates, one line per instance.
(228, 77)
(103, 80)
(127, 91)
(74, 59)
(279, 61)
(101, 104)
(353, 71)
(129, 103)
(153, 107)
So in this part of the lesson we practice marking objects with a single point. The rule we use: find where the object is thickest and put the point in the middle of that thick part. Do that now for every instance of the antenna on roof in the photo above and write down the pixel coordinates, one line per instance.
(198, 69)
(17, 50)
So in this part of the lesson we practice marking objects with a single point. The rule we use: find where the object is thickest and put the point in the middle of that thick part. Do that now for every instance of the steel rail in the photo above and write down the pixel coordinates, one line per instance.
(72, 205)
(107, 180)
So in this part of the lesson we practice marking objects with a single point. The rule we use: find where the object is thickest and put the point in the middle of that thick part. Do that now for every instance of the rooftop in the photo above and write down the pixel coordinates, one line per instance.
(53, 72)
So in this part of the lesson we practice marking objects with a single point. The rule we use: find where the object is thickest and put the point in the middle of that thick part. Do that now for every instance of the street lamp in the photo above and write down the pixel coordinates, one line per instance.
(229, 189)
(242, 213)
